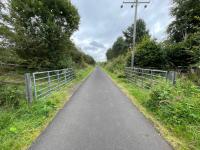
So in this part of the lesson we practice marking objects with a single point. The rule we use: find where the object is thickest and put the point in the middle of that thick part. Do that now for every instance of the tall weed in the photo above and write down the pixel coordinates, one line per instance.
(10, 95)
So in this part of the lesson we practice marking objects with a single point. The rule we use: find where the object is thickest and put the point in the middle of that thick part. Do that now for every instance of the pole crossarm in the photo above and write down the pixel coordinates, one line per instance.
(129, 2)
(135, 2)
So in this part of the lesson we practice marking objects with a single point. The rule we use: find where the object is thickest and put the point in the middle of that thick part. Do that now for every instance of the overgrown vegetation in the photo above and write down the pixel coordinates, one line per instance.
(11, 95)
(22, 123)
(175, 107)
(37, 33)
(121, 46)
(182, 48)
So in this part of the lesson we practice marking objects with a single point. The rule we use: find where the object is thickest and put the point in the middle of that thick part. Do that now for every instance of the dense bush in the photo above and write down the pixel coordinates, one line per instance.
(41, 32)
(149, 54)
(117, 65)
(10, 95)
(195, 77)
(178, 108)
(176, 104)
(120, 47)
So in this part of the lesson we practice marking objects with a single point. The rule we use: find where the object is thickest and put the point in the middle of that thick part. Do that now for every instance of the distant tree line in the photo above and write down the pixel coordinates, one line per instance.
(123, 44)
(182, 48)
(38, 33)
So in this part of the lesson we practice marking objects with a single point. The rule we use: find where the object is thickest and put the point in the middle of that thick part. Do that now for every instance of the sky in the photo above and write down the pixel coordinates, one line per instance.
(103, 21)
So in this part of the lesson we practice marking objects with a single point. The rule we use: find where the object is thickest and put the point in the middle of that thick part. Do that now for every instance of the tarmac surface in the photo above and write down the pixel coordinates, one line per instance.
(100, 117)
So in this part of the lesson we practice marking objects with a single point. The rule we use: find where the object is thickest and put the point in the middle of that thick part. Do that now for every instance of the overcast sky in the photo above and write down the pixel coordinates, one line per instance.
(103, 21)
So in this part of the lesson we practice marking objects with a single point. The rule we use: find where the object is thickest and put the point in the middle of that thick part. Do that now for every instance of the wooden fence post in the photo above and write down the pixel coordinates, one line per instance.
(28, 84)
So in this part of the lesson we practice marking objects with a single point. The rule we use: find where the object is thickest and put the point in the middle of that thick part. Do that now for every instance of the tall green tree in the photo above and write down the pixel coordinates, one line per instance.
(149, 54)
(7, 54)
(109, 54)
(185, 13)
(184, 53)
(43, 29)
(119, 47)
(141, 32)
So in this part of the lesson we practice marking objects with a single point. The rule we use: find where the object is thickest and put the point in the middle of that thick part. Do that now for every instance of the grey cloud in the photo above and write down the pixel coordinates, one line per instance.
(89, 48)
(103, 21)
(96, 44)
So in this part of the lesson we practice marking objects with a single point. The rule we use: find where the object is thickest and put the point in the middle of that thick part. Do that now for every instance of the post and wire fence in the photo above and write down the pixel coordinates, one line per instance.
(147, 78)
(42, 84)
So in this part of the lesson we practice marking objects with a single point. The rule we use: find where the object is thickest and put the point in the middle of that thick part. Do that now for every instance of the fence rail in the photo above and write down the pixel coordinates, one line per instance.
(41, 84)
(148, 77)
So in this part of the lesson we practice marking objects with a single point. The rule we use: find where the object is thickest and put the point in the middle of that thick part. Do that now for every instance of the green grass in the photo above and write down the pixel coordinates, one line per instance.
(174, 110)
(20, 126)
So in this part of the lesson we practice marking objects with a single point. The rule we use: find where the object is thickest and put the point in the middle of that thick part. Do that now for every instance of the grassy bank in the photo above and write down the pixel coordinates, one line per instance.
(174, 110)
(21, 125)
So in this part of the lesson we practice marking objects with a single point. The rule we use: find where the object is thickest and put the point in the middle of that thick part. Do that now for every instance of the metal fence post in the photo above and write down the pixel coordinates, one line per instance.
(142, 78)
(70, 74)
(174, 77)
(28, 83)
(58, 78)
(151, 78)
(166, 75)
(74, 73)
(49, 81)
(65, 74)
(34, 84)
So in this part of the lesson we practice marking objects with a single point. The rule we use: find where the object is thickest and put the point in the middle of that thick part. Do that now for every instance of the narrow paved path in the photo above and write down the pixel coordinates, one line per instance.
(100, 117)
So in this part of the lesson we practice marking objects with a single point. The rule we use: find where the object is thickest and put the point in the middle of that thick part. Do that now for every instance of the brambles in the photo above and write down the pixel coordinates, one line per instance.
(10, 96)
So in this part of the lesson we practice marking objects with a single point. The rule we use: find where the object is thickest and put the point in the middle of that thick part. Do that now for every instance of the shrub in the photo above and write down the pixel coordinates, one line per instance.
(194, 77)
(117, 65)
(149, 54)
(5, 119)
(10, 95)
(160, 95)
(176, 104)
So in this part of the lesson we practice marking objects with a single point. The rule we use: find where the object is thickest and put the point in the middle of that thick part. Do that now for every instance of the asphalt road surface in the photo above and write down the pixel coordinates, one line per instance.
(100, 117)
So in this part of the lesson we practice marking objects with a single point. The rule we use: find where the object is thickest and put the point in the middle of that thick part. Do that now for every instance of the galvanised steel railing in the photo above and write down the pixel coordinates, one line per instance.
(46, 82)
(148, 77)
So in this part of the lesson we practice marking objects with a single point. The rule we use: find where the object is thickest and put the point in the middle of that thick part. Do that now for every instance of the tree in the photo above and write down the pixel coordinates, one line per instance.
(178, 55)
(140, 32)
(149, 54)
(193, 44)
(186, 13)
(7, 54)
(89, 60)
(119, 47)
(43, 29)
(109, 54)
(184, 53)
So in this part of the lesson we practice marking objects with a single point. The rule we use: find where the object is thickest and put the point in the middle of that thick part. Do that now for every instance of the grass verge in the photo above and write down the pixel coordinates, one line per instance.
(140, 98)
(19, 127)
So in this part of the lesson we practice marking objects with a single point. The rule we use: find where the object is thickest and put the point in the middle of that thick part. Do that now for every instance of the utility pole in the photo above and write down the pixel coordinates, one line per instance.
(136, 2)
